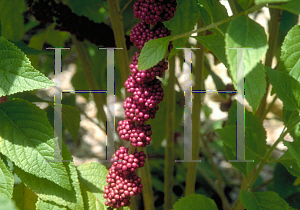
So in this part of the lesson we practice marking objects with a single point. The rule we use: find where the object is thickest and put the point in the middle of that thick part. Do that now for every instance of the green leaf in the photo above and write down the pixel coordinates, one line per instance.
(41, 205)
(57, 38)
(283, 182)
(245, 3)
(269, 1)
(6, 181)
(216, 44)
(213, 11)
(244, 167)
(48, 191)
(70, 119)
(289, 117)
(185, 18)
(255, 134)
(255, 86)
(7, 204)
(30, 142)
(263, 201)
(291, 6)
(11, 16)
(153, 52)
(245, 33)
(29, 50)
(286, 87)
(92, 177)
(290, 163)
(195, 202)
(294, 149)
(24, 197)
(290, 53)
(17, 74)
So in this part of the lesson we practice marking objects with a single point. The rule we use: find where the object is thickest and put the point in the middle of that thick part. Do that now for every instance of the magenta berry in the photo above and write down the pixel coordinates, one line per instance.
(141, 106)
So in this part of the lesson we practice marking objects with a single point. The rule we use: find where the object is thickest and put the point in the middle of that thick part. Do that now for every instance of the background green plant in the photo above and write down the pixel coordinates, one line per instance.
(29, 181)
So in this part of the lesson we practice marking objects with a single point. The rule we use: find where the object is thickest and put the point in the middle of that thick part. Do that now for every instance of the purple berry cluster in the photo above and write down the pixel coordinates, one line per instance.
(142, 105)
(121, 178)
(153, 11)
(141, 33)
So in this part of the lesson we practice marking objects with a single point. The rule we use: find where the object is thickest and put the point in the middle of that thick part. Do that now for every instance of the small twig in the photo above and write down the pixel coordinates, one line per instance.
(101, 5)
(125, 6)
(269, 107)
(262, 184)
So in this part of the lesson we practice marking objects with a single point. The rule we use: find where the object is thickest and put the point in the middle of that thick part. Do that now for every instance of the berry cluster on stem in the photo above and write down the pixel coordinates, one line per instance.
(142, 105)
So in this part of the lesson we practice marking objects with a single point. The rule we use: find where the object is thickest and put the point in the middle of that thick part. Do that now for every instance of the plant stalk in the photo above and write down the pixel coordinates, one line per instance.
(117, 26)
(273, 35)
(196, 110)
(88, 71)
(264, 162)
(147, 186)
(169, 150)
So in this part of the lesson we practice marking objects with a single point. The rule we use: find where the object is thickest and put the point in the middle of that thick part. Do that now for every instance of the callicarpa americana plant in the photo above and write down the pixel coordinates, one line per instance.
(141, 106)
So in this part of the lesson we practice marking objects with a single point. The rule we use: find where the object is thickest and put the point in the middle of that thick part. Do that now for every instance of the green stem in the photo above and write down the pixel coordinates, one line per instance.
(196, 121)
(147, 186)
(214, 25)
(117, 25)
(262, 184)
(273, 35)
(264, 161)
(125, 6)
(225, 202)
(169, 150)
(88, 71)
(269, 107)
(232, 7)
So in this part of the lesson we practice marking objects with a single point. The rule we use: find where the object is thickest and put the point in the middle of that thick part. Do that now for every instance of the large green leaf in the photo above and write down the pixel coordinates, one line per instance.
(245, 33)
(17, 74)
(24, 197)
(290, 53)
(216, 44)
(255, 139)
(255, 86)
(41, 205)
(6, 181)
(185, 18)
(213, 11)
(153, 52)
(27, 139)
(92, 177)
(291, 6)
(290, 163)
(195, 202)
(255, 134)
(48, 191)
(11, 16)
(286, 87)
(263, 201)
(283, 182)
(289, 117)
(294, 150)
(244, 167)
(7, 204)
